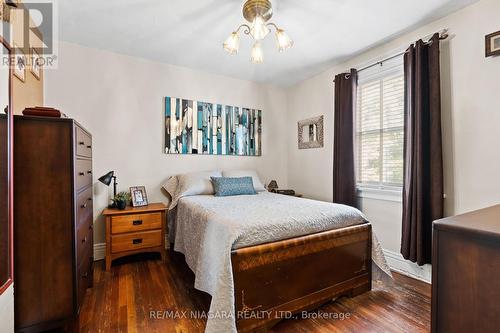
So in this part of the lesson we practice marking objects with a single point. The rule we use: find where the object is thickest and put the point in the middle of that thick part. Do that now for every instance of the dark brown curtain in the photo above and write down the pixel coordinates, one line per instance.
(344, 177)
(423, 164)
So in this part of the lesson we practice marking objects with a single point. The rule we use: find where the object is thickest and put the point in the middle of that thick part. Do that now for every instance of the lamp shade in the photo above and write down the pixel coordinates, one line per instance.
(283, 40)
(257, 54)
(106, 179)
(232, 43)
(259, 29)
(272, 185)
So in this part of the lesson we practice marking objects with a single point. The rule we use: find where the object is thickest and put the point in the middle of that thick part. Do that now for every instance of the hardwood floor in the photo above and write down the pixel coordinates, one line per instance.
(127, 299)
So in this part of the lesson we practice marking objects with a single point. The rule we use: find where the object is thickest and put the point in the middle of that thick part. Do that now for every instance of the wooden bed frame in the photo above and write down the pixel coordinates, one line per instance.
(274, 280)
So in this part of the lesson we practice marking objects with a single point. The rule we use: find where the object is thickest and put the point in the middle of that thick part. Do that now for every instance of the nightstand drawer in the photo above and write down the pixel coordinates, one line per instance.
(135, 222)
(134, 241)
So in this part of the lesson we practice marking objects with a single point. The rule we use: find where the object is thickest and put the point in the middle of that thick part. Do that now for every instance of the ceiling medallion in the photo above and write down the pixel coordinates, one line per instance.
(257, 13)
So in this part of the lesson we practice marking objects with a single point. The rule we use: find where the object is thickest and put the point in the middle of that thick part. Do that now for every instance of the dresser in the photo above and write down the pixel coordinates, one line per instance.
(135, 230)
(53, 218)
(466, 273)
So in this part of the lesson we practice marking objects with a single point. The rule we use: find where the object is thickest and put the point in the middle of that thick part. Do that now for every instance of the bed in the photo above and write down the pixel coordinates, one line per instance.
(265, 257)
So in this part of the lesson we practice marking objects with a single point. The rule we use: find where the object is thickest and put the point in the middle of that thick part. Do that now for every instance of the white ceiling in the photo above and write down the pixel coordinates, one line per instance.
(191, 32)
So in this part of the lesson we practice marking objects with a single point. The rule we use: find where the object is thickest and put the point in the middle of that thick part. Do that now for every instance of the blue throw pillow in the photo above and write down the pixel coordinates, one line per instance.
(226, 186)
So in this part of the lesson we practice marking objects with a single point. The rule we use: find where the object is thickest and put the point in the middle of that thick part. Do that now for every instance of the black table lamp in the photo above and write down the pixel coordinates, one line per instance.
(106, 180)
(272, 186)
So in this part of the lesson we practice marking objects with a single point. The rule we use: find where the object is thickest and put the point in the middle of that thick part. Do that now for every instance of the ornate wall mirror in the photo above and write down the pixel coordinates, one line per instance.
(6, 217)
(310, 133)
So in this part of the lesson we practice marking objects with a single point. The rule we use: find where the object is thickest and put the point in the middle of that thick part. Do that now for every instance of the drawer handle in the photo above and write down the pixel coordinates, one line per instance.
(84, 275)
(81, 174)
(91, 226)
(137, 222)
(137, 241)
(84, 205)
(84, 239)
(89, 146)
(81, 143)
(89, 199)
(89, 172)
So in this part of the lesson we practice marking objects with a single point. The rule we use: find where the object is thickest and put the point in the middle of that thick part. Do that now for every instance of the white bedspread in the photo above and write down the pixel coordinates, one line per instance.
(208, 227)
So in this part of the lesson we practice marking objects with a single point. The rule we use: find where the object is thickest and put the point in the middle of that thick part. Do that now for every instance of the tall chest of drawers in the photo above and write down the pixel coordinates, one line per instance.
(53, 218)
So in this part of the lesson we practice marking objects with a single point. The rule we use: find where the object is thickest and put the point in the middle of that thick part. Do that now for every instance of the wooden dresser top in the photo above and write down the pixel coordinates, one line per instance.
(153, 207)
(484, 222)
(50, 119)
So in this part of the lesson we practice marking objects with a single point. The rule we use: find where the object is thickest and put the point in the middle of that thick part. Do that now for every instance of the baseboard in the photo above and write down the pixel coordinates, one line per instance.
(401, 265)
(99, 251)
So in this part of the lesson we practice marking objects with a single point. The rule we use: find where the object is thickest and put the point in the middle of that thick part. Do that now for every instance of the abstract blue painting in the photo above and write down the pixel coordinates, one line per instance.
(194, 127)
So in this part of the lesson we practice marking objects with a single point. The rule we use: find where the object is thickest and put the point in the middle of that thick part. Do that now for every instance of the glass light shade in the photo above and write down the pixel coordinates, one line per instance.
(259, 30)
(232, 43)
(284, 41)
(257, 53)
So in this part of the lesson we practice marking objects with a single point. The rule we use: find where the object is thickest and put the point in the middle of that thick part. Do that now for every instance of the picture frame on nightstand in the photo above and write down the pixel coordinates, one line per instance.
(138, 195)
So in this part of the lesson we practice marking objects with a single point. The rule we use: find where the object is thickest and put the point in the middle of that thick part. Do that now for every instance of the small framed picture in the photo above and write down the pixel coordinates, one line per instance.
(36, 68)
(493, 44)
(19, 63)
(139, 197)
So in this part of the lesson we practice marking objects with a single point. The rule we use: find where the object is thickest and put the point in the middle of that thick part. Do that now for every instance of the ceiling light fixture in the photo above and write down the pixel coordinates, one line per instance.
(257, 13)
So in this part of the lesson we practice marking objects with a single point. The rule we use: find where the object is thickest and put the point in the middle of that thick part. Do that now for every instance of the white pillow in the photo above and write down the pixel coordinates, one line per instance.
(257, 184)
(194, 183)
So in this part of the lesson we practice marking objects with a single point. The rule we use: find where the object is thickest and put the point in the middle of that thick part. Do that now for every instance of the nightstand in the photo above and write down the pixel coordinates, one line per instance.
(287, 192)
(135, 230)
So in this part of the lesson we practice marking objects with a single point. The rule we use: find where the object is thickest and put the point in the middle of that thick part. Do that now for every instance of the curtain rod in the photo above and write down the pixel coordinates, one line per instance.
(443, 34)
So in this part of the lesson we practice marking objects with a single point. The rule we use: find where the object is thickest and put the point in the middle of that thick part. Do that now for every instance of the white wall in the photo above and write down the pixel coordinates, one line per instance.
(7, 310)
(119, 99)
(470, 114)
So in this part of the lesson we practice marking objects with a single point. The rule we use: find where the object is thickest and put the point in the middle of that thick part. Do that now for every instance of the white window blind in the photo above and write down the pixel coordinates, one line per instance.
(380, 126)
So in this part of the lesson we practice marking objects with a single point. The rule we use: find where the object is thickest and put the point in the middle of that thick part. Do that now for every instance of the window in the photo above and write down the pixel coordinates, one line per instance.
(380, 126)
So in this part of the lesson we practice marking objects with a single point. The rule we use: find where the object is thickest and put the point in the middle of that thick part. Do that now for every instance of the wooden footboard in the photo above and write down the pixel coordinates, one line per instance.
(277, 279)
